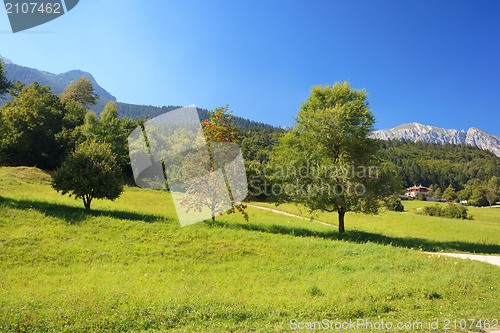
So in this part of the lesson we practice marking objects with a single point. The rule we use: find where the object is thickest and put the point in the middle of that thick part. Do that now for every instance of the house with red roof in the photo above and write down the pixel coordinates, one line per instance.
(413, 191)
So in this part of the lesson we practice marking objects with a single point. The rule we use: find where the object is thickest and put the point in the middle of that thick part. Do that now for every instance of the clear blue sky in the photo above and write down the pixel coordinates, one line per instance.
(432, 62)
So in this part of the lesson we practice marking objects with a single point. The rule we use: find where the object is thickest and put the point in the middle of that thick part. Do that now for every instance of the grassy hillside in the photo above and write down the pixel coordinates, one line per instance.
(128, 266)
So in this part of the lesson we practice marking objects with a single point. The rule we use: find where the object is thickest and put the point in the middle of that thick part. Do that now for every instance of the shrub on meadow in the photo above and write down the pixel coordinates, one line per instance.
(421, 197)
(450, 211)
(394, 204)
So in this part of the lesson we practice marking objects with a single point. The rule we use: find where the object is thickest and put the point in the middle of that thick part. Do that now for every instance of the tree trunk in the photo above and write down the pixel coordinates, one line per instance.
(86, 202)
(341, 221)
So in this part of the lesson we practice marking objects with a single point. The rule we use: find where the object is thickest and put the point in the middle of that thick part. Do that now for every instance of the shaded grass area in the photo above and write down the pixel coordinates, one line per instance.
(77, 214)
(364, 237)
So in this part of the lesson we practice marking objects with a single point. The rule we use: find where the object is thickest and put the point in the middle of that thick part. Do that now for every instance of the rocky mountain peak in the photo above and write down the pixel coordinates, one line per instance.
(418, 132)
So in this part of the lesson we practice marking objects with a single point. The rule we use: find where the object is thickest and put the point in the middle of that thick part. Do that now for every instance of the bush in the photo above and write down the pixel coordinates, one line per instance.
(394, 204)
(421, 197)
(457, 212)
(450, 211)
(433, 210)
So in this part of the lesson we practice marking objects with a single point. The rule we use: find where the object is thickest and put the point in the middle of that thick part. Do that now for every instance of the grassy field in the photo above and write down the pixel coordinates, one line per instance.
(128, 266)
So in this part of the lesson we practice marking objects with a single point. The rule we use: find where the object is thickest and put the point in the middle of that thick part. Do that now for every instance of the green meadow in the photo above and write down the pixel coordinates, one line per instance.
(127, 266)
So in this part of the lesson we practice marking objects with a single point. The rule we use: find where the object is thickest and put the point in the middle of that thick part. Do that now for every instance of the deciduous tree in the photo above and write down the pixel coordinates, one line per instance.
(81, 91)
(493, 190)
(218, 128)
(450, 193)
(111, 130)
(332, 154)
(90, 172)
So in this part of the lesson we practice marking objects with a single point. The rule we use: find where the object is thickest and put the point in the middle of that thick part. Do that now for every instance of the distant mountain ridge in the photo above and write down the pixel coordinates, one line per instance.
(136, 112)
(58, 83)
(418, 132)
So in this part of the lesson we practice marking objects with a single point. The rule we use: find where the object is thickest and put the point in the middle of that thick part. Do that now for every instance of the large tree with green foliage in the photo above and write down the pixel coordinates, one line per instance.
(90, 172)
(479, 193)
(38, 128)
(327, 161)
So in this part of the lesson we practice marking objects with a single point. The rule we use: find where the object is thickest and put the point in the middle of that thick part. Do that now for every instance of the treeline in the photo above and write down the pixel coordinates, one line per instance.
(426, 163)
(39, 128)
(257, 144)
(412, 163)
(453, 172)
(137, 112)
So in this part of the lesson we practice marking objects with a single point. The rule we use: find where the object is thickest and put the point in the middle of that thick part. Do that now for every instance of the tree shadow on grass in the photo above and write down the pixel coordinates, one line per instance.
(76, 214)
(364, 237)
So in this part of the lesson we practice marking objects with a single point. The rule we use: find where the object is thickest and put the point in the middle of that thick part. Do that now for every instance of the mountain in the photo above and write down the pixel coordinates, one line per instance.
(58, 83)
(418, 132)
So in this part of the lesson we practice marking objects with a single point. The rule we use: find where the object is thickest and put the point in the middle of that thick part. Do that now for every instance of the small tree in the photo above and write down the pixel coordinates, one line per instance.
(478, 196)
(464, 194)
(5, 84)
(111, 130)
(450, 194)
(437, 193)
(81, 91)
(218, 128)
(493, 190)
(90, 172)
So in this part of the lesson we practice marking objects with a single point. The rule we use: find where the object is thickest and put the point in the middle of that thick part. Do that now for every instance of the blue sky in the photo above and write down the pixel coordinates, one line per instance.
(432, 62)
